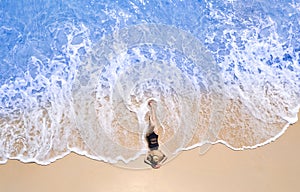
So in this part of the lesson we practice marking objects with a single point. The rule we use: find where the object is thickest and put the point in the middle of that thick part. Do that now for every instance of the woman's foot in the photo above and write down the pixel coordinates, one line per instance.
(151, 103)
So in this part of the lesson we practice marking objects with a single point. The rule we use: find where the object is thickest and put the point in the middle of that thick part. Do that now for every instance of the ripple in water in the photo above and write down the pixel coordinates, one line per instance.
(135, 65)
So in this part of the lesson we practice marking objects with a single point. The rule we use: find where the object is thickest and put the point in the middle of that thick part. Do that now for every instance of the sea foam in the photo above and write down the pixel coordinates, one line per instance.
(80, 79)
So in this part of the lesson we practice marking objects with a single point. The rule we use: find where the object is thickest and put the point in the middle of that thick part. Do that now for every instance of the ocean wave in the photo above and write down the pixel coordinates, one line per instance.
(76, 76)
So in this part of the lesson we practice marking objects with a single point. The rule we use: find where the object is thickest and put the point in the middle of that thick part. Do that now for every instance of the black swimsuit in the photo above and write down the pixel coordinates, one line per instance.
(152, 140)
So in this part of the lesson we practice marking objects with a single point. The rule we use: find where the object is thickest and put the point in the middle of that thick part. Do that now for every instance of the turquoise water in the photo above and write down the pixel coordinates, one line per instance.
(77, 75)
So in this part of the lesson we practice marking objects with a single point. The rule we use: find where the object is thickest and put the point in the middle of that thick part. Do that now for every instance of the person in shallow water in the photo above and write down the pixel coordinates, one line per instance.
(155, 157)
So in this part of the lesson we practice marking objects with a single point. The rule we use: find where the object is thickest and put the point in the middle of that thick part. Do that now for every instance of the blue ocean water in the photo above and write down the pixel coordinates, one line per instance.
(76, 75)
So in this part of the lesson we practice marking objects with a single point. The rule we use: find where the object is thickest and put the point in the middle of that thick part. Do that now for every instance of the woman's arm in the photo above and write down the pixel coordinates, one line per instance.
(147, 162)
(152, 118)
(164, 159)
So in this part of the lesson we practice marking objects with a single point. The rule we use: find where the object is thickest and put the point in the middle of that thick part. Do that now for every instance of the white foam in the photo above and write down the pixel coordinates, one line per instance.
(92, 99)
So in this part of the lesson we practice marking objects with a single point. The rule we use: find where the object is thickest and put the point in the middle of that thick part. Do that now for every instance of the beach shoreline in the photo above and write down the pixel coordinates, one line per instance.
(272, 167)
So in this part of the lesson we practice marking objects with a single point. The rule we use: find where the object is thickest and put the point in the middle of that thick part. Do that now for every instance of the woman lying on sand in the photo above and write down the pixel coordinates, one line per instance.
(154, 157)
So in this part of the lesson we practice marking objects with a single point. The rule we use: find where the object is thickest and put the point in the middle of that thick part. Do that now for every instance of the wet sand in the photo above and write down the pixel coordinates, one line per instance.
(273, 167)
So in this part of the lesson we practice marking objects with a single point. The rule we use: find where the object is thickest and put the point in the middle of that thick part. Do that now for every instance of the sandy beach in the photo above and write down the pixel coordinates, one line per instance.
(273, 167)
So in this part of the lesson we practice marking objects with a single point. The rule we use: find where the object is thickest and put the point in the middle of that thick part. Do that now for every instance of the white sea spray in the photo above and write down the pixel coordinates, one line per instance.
(226, 74)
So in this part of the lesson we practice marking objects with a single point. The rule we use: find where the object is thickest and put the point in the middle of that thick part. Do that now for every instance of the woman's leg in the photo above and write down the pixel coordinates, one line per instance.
(152, 117)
